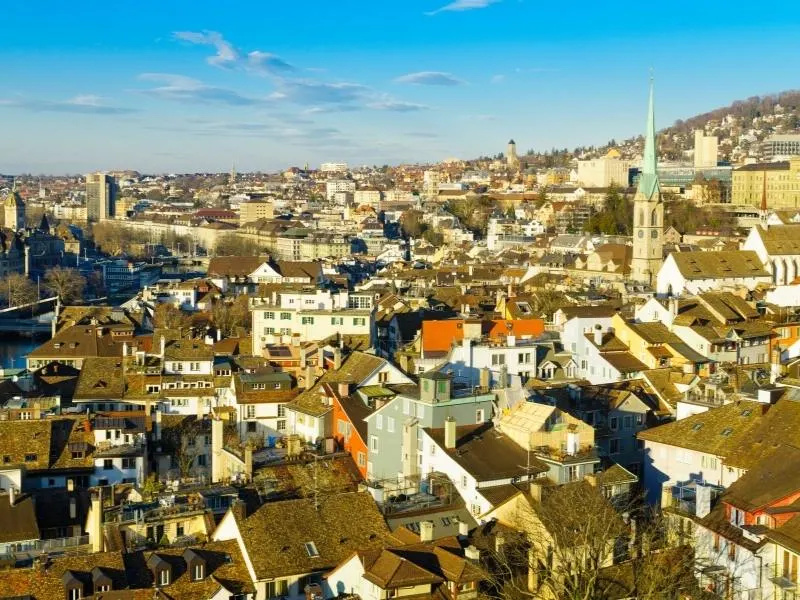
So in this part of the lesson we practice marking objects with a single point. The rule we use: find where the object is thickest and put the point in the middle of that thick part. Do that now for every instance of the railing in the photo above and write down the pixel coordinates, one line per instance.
(53, 546)
(133, 514)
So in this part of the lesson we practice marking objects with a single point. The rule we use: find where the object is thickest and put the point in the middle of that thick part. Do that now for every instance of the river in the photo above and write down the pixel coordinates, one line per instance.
(14, 349)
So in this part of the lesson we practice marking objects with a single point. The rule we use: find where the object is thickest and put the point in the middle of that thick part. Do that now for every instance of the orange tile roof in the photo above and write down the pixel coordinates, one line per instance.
(438, 336)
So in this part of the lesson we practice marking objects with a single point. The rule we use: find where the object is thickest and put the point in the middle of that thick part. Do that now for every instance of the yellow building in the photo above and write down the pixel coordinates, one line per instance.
(652, 343)
(255, 210)
(782, 189)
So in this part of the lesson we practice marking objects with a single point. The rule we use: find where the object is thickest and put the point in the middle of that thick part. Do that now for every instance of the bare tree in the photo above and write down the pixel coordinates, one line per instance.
(568, 542)
(235, 245)
(168, 316)
(229, 316)
(17, 289)
(178, 439)
(68, 284)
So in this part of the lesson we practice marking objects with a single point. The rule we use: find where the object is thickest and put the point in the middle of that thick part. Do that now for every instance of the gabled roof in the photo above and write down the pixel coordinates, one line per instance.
(718, 431)
(725, 264)
(234, 266)
(773, 478)
(275, 535)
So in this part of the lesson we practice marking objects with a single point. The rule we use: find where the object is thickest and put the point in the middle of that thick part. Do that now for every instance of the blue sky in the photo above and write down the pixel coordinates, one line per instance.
(190, 85)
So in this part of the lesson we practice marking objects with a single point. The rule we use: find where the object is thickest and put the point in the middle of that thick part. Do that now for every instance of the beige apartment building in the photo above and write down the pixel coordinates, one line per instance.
(782, 184)
(254, 210)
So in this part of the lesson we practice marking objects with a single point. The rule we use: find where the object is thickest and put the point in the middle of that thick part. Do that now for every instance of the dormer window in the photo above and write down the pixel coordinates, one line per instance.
(73, 586)
(311, 550)
(163, 577)
(161, 569)
(195, 564)
(197, 573)
(101, 580)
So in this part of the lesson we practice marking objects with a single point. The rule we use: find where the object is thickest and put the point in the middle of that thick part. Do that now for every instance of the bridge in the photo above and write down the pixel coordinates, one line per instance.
(27, 319)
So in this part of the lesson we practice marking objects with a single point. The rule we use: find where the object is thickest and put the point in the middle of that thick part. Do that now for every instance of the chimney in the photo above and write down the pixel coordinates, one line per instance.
(485, 378)
(344, 389)
(73, 509)
(463, 529)
(310, 379)
(536, 490)
(776, 369)
(450, 433)
(163, 346)
(426, 531)
(320, 359)
(472, 554)
(217, 435)
(239, 509)
(124, 349)
(53, 325)
(303, 359)
(337, 359)
(219, 334)
(598, 335)
(248, 461)
(95, 525)
(12, 495)
(702, 500)
(499, 543)
(673, 306)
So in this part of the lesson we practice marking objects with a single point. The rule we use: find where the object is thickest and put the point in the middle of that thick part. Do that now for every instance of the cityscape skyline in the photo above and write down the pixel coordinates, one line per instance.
(200, 90)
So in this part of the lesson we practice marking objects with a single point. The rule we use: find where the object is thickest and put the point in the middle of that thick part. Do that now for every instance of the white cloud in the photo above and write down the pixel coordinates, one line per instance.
(429, 78)
(229, 57)
(186, 89)
(86, 104)
(462, 5)
(498, 78)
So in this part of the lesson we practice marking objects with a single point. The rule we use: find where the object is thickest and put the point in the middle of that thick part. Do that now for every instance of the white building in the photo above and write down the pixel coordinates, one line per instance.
(603, 172)
(334, 186)
(334, 167)
(705, 150)
(697, 272)
(311, 316)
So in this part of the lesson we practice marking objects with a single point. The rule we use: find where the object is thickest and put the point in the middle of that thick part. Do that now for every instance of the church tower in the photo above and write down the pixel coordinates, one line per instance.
(512, 159)
(14, 210)
(648, 211)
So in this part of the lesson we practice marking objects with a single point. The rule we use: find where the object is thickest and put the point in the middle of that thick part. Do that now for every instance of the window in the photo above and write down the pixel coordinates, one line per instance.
(252, 426)
(479, 416)
(195, 366)
(613, 446)
(708, 462)
(572, 473)
(383, 377)
(463, 481)
(737, 517)
(281, 425)
(359, 321)
(250, 411)
(277, 588)
(361, 459)
(177, 366)
(6, 459)
(198, 572)
(639, 419)
(74, 594)
(286, 316)
(179, 529)
(201, 460)
(31, 457)
(77, 454)
(731, 551)
(373, 444)
(498, 359)
(524, 358)
(627, 422)
(108, 464)
(129, 463)
(307, 320)
(613, 423)
(378, 421)
(790, 566)
(390, 424)
(311, 549)
(163, 577)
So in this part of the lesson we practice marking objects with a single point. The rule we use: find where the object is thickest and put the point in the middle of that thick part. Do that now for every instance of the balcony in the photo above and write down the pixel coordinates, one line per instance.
(163, 510)
(562, 455)
(56, 546)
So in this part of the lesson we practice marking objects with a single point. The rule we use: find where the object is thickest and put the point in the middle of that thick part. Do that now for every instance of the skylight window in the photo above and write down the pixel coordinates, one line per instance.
(747, 412)
(311, 549)
(697, 427)
(727, 431)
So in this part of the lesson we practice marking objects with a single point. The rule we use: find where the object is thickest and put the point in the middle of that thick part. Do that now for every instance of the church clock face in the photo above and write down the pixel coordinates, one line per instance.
(641, 233)
(654, 234)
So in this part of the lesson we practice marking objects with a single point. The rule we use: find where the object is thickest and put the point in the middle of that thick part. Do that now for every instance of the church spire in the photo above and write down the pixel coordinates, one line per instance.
(648, 183)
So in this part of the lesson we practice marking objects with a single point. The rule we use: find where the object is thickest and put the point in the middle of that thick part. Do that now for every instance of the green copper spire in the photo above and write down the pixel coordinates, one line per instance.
(648, 183)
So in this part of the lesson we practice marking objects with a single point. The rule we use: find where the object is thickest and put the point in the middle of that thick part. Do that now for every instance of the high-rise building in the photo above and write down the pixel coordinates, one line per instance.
(430, 183)
(781, 146)
(100, 196)
(14, 211)
(604, 172)
(648, 210)
(512, 160)
(705, 150)
(333, 167)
